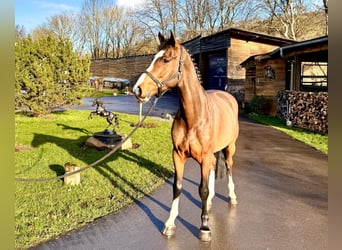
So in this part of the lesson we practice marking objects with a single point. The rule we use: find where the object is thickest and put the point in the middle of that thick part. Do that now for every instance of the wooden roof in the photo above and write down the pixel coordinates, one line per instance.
(221, 40)
(253, 36)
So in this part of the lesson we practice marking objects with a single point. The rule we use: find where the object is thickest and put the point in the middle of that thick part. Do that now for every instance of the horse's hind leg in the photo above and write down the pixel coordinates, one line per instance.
(109, 121)
(170, 227)
(230, 151)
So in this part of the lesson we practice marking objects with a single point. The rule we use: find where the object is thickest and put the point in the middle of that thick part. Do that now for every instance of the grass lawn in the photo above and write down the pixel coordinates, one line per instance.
(45, 210)
(91, 92)
(315, 140)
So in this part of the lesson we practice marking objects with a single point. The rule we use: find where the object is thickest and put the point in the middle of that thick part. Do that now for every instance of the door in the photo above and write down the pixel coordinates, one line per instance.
(217, 71)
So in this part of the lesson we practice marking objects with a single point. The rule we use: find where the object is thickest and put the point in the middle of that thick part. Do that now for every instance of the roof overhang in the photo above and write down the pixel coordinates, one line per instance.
(319, 44)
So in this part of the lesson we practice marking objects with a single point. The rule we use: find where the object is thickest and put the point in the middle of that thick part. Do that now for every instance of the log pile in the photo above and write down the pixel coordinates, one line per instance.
(306, 110)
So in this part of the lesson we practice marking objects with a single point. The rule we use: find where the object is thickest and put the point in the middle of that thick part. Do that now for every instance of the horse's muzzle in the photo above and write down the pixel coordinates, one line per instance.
(138, 94)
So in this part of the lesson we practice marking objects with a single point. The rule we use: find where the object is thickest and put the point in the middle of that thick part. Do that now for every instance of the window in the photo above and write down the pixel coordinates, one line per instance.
(314, 76)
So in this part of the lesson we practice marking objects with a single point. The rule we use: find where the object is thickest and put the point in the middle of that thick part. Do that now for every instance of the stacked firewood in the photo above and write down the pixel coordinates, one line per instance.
(306, 110)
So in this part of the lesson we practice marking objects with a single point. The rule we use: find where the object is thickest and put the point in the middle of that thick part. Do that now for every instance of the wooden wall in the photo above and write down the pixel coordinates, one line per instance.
(270, 87)
(260, 85)
(239, 51)
(126, 67)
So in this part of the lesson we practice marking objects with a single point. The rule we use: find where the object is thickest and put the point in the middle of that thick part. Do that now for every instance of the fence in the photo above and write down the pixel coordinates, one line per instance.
(128, 68)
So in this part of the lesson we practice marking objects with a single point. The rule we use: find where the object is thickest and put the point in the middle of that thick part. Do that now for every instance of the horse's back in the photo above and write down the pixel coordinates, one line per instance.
(224, 101)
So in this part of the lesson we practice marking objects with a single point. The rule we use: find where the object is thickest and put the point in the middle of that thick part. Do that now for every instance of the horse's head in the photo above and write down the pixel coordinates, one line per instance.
(97, 102)
(164, 71)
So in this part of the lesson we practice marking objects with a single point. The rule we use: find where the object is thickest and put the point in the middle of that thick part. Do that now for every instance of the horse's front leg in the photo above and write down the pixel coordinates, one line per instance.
(110, 121)
(91, 115)
(206, 168)
(179, 161)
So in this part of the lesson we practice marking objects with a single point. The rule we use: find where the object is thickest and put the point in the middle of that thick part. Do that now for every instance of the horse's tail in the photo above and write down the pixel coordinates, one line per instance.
(221, 169)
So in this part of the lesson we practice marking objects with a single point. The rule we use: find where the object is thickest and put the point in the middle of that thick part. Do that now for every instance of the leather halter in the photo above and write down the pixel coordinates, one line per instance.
(160, 84)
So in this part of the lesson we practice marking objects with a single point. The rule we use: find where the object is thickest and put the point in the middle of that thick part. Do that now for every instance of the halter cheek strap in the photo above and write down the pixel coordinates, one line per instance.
(160, 84)
(157, 82)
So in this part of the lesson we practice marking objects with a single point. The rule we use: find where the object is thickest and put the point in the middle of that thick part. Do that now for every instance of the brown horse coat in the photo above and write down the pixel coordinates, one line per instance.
(206, 122)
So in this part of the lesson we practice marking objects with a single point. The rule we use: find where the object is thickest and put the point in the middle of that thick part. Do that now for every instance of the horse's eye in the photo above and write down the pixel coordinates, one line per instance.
(166, 60)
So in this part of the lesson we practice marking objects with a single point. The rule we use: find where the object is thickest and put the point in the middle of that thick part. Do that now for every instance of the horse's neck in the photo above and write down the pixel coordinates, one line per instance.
(192, 96)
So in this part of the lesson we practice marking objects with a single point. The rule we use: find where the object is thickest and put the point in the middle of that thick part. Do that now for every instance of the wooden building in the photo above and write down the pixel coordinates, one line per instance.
(218, 57)
(296, 67)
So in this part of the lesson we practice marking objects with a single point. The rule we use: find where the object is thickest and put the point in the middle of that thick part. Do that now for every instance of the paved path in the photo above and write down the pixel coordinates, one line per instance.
(282, 191)
(128, 104)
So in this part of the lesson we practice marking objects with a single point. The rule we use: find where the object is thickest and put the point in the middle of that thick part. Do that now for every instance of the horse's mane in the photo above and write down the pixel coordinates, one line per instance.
(168, 43)
(198, 72)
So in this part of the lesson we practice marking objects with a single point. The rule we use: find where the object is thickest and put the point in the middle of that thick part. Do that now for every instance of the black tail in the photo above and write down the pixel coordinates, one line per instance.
(221, 169)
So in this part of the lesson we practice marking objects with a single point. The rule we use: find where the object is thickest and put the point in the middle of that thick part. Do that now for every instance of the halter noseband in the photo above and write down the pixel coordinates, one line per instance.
(160, 84)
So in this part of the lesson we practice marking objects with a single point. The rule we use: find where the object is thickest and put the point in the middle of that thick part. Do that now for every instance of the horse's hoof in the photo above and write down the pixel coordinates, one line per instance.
(205, 235)
(169, 230)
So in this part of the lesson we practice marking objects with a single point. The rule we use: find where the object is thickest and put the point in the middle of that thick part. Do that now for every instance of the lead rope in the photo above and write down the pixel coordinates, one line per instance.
(97, 161)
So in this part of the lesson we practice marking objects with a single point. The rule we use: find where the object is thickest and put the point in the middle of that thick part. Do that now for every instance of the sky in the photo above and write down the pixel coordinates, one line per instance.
(32, 13)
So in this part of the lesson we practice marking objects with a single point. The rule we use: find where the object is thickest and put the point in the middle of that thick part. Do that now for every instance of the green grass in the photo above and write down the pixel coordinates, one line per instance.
(47, 209)
(91, 92)
(316, 140)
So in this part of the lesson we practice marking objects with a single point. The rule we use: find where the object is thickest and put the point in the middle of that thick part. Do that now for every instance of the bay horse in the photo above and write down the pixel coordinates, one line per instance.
(101, 111)
(205, 124)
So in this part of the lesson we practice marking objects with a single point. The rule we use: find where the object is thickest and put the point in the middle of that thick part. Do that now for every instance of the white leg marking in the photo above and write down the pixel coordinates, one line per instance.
(231, 188)
(142, 77)
(211, 187)
(173, 213)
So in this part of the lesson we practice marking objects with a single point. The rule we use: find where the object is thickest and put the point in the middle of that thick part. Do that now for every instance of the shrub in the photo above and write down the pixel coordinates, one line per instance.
(260, 105)
(48, 74)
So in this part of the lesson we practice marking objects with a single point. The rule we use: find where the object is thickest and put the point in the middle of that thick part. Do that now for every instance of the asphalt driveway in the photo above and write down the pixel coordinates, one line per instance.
(282, 190)
(168, 103)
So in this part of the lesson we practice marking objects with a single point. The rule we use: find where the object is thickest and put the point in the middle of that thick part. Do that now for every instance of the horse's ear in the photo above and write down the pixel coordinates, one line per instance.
(172, 40)
(161, 38)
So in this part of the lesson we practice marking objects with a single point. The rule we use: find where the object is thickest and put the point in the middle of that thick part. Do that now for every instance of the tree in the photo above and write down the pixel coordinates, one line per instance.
(154, 16)
(67, 26)
(48, 74)
(20, 32)
(121, 32)
(92, 20)
(189, 18)
(325, 3)
(104, 29)
(222, 14)
(288, 13)
(41, 31)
